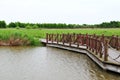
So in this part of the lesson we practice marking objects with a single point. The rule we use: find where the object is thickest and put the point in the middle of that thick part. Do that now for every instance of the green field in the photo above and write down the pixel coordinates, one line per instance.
(40, 33)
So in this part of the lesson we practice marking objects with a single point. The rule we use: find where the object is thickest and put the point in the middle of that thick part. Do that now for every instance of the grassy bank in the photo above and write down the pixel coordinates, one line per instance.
(33, 35)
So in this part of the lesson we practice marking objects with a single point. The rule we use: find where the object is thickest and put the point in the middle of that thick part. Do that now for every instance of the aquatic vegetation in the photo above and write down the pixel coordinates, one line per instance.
(32, 36)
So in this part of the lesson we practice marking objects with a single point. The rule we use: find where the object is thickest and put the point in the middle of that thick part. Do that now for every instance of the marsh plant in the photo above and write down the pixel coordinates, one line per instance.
(18, 39)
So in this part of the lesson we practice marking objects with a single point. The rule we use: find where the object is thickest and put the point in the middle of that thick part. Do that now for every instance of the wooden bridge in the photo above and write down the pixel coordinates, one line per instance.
(102, 50)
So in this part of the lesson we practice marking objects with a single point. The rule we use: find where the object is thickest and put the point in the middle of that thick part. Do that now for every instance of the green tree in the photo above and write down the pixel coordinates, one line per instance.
(12, 25)
(21, 25)
(2, 24)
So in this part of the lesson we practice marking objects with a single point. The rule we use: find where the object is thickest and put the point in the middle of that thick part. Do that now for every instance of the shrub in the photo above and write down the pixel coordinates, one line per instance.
(35, 27)
(17, 27)
(28, 27)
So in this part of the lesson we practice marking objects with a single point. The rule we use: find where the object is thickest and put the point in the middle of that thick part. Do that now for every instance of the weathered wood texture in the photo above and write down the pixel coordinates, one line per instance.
(93, 43)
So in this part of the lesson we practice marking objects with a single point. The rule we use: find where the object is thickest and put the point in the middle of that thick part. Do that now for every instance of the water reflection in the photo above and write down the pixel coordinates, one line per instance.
(45, 63)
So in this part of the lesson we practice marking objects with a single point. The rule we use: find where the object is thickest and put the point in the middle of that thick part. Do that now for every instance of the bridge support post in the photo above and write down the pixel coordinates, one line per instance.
(57, 38)
(63, 38)
(52, 38)
(46, 37)
(78, 37)
(106, 51)
(117, 42)
(86, 41)
(70, 39)
(96, 45)
(82, 39)
(89, 43)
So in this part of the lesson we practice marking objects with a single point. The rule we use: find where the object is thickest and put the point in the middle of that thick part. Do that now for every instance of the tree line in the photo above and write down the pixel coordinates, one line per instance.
(111, 24)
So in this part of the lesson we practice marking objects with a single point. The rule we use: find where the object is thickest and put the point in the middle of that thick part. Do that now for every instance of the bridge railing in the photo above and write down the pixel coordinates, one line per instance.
(115, 42)
(98, 45)
(93, 43)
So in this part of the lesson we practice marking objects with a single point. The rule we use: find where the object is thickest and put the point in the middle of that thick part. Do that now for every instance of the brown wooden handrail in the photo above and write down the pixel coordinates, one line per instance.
(95, 44)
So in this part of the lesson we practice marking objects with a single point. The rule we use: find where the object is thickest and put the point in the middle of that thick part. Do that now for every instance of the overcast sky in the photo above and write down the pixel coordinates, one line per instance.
(60, 11)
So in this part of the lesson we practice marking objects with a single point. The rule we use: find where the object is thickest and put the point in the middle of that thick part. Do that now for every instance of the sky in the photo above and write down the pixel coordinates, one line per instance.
(60, 11)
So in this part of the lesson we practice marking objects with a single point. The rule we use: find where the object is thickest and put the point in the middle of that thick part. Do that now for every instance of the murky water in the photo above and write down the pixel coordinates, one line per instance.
(45, 63)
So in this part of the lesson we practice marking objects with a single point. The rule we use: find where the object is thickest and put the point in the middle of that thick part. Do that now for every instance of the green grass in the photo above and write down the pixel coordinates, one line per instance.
(107, 32)
(40, 33)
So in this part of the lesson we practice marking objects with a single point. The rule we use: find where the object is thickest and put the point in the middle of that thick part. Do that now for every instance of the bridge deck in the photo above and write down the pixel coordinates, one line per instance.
(113, 55)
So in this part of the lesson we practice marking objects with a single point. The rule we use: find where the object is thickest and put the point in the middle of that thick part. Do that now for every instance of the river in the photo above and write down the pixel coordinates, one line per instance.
(46, 63)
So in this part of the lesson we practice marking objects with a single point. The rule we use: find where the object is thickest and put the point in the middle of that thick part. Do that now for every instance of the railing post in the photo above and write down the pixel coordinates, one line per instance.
(49, 37)
(78, 40)
(52, 38)
(101, 49)
(60, 37)
(73, 38)
(112, 41)
(93, 44)
(57, 38)
(87, 41)
(46, 37)
(117, 42)
(96, 44)
(106, 51)
(70, 39)
(102, 38)
(82, 39)
(90, 43)
(63, 36)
